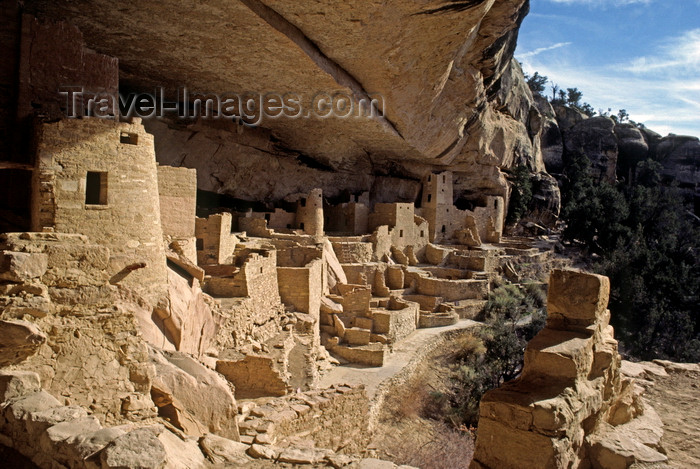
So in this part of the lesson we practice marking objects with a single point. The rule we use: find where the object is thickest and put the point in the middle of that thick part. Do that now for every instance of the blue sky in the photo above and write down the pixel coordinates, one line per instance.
(638, 55)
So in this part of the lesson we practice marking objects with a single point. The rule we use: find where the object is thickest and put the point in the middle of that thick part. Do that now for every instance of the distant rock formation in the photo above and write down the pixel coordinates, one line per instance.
(614, 148)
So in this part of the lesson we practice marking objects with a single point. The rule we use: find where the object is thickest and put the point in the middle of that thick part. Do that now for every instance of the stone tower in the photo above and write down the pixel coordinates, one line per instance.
(99, 177)
(437, 205)
(310, 213)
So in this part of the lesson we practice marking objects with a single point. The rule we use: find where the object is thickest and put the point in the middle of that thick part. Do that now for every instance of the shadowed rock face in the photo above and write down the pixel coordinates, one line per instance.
(439, 66)
(595, 138)
(680, 157)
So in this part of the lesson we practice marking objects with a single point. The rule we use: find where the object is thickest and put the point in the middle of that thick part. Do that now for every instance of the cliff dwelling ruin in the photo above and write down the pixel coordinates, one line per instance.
(189, 293)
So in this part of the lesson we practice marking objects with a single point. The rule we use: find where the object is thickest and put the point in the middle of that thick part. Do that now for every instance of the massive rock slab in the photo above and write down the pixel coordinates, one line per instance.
(680, 157)
(187, 392)
(18, 341)
(450, 93)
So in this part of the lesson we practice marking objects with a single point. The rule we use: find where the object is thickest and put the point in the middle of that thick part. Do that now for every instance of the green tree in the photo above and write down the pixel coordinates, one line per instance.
(573, 97)
(521, 195)
(537, 83)
(649, 246)
(587, 109)
(623, 116)
(594, 211)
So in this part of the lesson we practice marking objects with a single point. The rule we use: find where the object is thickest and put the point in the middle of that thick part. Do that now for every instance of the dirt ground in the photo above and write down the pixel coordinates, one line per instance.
(676, 399)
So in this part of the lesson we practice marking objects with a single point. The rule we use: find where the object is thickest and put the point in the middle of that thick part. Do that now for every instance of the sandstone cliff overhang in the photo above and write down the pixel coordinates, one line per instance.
(436, 63)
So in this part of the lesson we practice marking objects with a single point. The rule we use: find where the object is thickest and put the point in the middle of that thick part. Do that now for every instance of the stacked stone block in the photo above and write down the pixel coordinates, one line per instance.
(548, 417)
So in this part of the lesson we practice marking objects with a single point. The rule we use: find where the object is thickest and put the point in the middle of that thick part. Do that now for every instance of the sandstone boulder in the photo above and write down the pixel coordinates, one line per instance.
(544, 129)
(546, 199)
(576, 297)
(87, 444)
(680, 157)
(568, 117)
(22, 266)
(558, 413)
(222, 450)
(199, 391)
(632, 148)
(17, 384)
(181, 453)
(51, 440)
(19, 340)
(139, 448)
(38, 422)
(262, 452)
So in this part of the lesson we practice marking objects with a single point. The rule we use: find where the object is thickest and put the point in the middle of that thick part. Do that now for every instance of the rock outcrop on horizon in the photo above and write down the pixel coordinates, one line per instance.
(615, 148)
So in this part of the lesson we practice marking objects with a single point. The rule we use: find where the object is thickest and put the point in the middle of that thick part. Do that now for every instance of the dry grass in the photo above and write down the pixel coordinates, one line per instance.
(405, 436)
(428, 444)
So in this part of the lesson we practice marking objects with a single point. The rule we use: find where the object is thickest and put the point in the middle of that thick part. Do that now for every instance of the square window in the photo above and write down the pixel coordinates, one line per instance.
(96, 188)
(128, 138)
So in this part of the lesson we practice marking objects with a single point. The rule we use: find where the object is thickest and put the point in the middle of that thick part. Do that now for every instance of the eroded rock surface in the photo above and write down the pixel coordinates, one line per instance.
(570, 407)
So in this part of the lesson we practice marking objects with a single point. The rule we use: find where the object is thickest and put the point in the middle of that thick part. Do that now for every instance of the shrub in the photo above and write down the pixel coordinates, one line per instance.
(485, 360)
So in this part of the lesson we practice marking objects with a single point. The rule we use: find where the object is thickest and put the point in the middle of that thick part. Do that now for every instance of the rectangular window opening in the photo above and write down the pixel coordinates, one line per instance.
(96, 188)
(430, 196)
(400, 233)
(128, 138)
(303, 202)
(200, 244)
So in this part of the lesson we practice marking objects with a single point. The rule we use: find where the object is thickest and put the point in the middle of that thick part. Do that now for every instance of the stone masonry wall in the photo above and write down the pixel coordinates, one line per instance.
(126, 218)
(94, 355)
(177, 188)
(302, 287)
(335, 418)
(215, 243)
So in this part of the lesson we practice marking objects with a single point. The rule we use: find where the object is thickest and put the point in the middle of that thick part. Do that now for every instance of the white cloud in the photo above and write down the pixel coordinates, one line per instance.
(661, 90)
(539, 50)
(677, 55)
